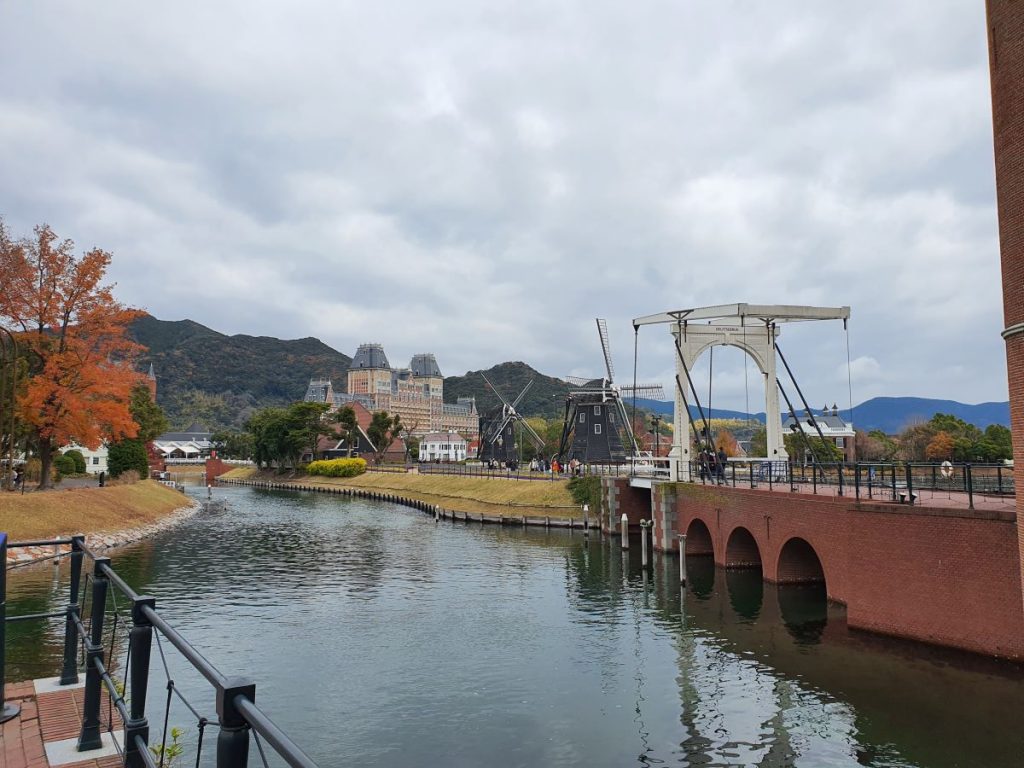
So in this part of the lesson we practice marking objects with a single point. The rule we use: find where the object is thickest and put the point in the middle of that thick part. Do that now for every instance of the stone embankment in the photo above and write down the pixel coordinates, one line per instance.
(98, 542)
(440, 513)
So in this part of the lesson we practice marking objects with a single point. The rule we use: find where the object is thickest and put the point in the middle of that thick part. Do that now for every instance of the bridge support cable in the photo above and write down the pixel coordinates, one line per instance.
(815, 461)
(807, 407)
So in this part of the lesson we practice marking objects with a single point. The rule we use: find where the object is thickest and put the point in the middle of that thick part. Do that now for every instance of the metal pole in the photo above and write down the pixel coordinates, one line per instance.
(7, 711)
(624, 523)
(233, 739)
(643, 543)
(970, 487)
(999, 479)
(89, 738)
(910, 484)
(841, 479)
(140, 642)
(69, 671)
(682, 559)
(894, 481)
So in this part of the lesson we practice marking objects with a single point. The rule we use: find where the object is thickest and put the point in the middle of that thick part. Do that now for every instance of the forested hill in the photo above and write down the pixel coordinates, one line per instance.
(545, 398)
(218, 380)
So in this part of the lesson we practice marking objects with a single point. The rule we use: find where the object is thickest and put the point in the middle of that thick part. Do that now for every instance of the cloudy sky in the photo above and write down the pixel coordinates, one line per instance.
(482, 180)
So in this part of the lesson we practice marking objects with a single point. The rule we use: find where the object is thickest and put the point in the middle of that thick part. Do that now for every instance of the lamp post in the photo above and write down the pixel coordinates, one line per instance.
(8, 398)
(656, 424)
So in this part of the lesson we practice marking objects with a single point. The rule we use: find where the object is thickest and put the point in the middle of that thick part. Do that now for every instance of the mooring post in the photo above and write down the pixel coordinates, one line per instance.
(625, 531)
(682, 559)
(140, 643)
(69, 671)
(644, 525)
(7, 711)
(89, 738)
(437, 512)
(586, 519)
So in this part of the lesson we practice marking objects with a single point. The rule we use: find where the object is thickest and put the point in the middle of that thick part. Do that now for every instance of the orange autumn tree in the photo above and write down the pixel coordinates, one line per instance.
(74, 336)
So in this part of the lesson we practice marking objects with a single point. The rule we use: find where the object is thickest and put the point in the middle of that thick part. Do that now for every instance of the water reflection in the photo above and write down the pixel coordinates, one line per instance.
(380, 638)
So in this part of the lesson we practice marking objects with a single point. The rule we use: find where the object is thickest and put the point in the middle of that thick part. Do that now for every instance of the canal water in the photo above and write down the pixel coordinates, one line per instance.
(380, 638)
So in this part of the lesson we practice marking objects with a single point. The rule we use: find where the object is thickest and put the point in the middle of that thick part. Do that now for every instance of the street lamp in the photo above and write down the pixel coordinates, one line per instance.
(656, 423)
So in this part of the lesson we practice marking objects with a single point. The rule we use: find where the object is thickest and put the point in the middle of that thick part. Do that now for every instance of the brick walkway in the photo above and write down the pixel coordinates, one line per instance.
(45, 718)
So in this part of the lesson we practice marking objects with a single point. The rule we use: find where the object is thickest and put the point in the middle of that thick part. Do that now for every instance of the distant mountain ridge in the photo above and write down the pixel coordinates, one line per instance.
(889, 414)
(219, 380)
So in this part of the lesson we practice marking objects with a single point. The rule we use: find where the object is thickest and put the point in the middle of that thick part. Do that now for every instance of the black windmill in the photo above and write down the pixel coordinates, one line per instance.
(498, 440)
(597, 429)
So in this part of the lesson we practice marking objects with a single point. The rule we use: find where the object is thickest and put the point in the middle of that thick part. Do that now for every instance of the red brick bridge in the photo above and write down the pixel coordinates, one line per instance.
(943, 575)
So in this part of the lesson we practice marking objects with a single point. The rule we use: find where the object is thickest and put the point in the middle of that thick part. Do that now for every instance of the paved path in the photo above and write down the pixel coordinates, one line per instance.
(45, 719)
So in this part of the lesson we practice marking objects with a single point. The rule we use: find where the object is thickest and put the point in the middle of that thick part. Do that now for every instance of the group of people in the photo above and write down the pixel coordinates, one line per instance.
(712, 464)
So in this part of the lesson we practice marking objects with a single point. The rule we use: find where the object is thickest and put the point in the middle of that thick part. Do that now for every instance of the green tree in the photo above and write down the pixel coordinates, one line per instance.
(759, 442)
(382, 433)
(801, 446)
(348, 427)
(125, 455)
(232, 445)
(147, 414)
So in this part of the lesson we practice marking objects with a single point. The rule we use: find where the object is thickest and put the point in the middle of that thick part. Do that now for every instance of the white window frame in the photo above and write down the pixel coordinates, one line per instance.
(597, 429)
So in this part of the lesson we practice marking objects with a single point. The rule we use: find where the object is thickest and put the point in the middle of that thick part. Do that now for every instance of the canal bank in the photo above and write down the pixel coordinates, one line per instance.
(494, 497)
(109, 517)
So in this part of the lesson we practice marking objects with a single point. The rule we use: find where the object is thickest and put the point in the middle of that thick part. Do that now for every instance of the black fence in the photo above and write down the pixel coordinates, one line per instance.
(237, 716)
(904, 482)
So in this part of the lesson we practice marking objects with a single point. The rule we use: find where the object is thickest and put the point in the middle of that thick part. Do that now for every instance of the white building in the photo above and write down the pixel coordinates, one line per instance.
(95, 461)
(443, 446)
(834, 428)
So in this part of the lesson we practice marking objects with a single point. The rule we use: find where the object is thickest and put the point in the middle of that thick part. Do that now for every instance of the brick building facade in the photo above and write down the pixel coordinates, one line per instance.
(1006, 63)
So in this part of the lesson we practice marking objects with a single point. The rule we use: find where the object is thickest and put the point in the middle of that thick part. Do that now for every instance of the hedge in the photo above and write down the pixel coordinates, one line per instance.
(337, 467)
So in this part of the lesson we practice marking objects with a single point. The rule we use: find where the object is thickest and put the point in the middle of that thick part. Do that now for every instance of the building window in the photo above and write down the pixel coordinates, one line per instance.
(839, 442)
(597, 410)
(95, 459)
(597, 429)
(583, 417)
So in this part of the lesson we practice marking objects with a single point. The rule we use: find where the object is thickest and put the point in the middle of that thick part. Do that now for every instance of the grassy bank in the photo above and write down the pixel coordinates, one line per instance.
(465, 494)
(86, 510)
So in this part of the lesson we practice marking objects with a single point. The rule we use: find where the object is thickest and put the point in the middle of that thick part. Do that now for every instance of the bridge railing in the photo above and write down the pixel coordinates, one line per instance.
(237, 712)
(962, 484)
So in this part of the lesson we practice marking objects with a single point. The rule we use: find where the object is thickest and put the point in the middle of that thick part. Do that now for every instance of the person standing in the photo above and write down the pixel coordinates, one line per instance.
(720, 465)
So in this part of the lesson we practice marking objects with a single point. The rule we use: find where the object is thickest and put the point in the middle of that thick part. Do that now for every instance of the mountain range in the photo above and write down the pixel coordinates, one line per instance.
(889, 414)
(218, 380)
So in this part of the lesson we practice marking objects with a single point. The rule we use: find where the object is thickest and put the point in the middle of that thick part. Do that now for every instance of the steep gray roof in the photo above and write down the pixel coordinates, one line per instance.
(424, 365)
(370, 356)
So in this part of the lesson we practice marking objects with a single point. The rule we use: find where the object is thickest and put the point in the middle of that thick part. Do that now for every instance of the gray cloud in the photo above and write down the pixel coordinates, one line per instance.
(483, 181)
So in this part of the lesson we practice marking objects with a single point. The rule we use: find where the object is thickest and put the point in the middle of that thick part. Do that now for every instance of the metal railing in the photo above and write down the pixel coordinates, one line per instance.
(904, 482)
(237, 712)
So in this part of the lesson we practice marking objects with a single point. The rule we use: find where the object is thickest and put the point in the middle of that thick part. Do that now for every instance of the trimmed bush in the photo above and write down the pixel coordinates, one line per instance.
(76, 456)
(337, 467)
(64, 465)
(128, 455)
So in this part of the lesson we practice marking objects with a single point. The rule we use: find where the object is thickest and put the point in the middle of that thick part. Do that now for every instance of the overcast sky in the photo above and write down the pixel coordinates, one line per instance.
(482, 180)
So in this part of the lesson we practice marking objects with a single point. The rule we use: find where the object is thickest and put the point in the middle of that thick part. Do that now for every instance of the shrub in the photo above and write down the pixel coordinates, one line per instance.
(128, 454)
(127, 477)
(77, 457)
(337, 467)
(586, 490)
(64, 465)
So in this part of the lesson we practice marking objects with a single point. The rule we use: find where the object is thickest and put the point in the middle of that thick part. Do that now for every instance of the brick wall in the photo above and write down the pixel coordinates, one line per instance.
(1006, 63)
(618, 498)
(948, 577)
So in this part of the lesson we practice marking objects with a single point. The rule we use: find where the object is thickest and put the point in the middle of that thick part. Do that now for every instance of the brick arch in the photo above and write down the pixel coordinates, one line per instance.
(741, 550)
(799, 563)
(698, 539)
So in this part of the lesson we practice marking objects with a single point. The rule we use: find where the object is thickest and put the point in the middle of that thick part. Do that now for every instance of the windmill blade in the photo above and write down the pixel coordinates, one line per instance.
(501, 429)
(648, 391)
(536, 438)
(602, 331)
(577, 381)
(495, 391)
(521, 394)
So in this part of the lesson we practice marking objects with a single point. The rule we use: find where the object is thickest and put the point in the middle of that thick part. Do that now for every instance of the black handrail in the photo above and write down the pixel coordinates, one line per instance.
(236, 707)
